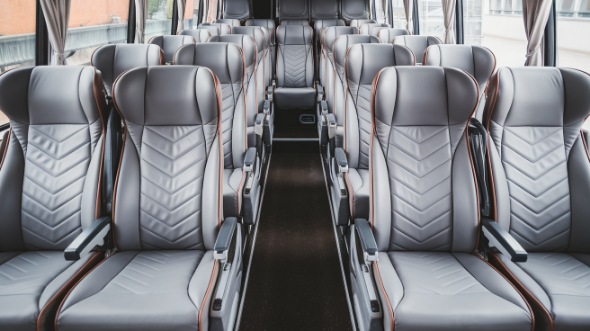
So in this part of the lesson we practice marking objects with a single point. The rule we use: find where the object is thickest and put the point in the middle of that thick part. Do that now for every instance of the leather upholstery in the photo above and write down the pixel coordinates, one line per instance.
(199, 35)
(418, 44)
(230, 21)
(356, 23)
(328, 37)
(293, 10)
(541, 180)
(169, 44)
(325, 10)
(167, 208)
(269, 24)
(216, 29)
(318, 27)
(354, 9)
(263, 73)
(372, 29)
(49, 184)
(425, 218)
(387, 35)
(478, 61)
(294, 22)
(113, 60)
(237, 9)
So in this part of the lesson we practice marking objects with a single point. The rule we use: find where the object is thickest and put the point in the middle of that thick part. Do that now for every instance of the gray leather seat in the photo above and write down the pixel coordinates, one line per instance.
(478, 61)
(387, 35)
(229, 21)
(295, 81)
(269, 24)
(294, 12)
(318, 27)
(113, 60)
(239, 10)
(351, 10)
(169, 44)
(356, 23)
(167, 211)
(263, 71)
(327, 11)
(199, 35)
(216, 29)
(328, 37)
(425, 216)
(418, 44)
(49, 179)
(372, 29)
(541, 182)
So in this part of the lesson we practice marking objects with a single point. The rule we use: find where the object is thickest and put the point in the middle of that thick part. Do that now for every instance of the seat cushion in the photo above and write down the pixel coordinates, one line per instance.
(447, 291)
(31, 283)
(360, 188)
(560, 284)
(232, 184)
(148, 290)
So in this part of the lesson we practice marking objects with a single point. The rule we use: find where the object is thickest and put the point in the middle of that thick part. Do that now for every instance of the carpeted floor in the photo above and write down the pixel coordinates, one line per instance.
(295, 280)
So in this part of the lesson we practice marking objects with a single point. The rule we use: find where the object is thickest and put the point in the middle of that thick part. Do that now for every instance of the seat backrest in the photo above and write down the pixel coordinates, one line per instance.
(269, 24)
(478, 61)
(50, 172)
(226, 62)
(371, 28)
(356, 23)
(539, 162)
(293, 10)
(167, 193)
(199, 35)
(229, 21)
(424, 194)
(355, 9)
(362, 64)
(294, 56)
(216, 29)
(318, 25)
(169, 44)
(263, 69)
(418, 44)
(237, 9)
(325, 10)
(387, 35)
(294, 22)
(113, 60)
(330, 34)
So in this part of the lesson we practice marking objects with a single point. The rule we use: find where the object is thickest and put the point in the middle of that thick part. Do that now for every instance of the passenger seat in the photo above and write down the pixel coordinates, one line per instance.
(269, 24)
(418, 44)
(387, 35)
(169, 44)
(199, 35)
(229, 21)
(356, 23)
(216, 29)
(372, 29)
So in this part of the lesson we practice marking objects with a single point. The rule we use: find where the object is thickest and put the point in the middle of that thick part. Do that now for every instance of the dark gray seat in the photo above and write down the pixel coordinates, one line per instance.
(387, 35)
(216, 29)
(355, 10)
(325, 10)
(113, 60)
(318, 27)
(170, 44)
(167, 212)
(269, 24)
(541, 182)
(294, 12)
(478, 61)
(263, 71)
(295, 81)
(49, 179)
(199, 35)
(418, 44)
(425, 217)
(239, 10)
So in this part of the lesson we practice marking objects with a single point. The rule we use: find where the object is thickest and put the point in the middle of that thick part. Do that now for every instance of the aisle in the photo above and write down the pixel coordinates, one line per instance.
(295, 280)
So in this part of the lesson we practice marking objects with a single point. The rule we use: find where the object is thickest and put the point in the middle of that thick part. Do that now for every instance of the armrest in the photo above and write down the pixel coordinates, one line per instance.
(341, 160)
(367, 240)
(224, 239)
(250, 159)
(320, 92)
(91, 237)
(502, 240)
(259, 123)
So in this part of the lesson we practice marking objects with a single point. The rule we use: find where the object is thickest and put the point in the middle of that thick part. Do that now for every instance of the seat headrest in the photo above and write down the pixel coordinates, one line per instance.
(358, 23)
(538, 96)
(246, 43)
(367, 28)
(113, 60)
(144, 96)
(364, 61)
(344, 42)
(294, 35)
(267, 23)
(226, 60)
(387, 35)
(418, 44)
(479, 61)
(255, 32)
(216, 29)
(53, 95)
(199, 35)
(229, 21)
(330, 34)
(424, 96)
(169, 44)
(294, 22)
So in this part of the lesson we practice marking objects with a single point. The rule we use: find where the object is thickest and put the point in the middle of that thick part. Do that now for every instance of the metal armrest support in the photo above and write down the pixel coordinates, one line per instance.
(94, 235)
(502, 240)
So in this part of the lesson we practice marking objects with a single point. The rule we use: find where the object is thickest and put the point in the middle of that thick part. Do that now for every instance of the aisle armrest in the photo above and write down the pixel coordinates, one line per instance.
(499, 238)
(94, 235)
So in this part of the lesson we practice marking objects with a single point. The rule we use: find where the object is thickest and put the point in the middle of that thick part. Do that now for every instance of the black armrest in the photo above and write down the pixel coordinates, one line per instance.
(224, 238)
(91, 237)
(502, 240)
(341, 160)
(250, 159)
(367, 240)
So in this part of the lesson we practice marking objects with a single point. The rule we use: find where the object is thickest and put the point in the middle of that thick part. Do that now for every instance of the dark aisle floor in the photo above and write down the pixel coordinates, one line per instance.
(295, 279)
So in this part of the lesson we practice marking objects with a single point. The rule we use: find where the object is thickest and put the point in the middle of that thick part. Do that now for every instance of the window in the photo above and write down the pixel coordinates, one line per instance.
(17, 34)
(431, 18)
(94, 23)
(498, 25)
(191, 14)
(399, 14)
(159, 18)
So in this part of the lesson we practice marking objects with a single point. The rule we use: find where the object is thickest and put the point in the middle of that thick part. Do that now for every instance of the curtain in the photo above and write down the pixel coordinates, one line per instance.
(211, 10)
(57, 15)
(384, 5)
(181, 5)
(140, 17)
(448, 7)
(409, 9)
(535, 14)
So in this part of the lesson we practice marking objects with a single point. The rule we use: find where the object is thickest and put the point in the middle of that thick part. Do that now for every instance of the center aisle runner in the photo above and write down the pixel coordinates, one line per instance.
(295, 279)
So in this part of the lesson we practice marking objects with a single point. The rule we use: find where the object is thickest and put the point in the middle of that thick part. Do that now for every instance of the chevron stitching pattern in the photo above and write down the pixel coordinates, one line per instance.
(156, 272)
(362, 96)
(30, 272)
(420, 165)
(295, 57)
(56, 166)
(446, 275)
(559, 273)
(173, 162)
(229, 96)
(535, 163)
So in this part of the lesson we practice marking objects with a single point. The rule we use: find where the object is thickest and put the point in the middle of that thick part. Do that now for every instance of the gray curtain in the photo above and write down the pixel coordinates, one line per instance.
(535, 14)
(57, 16)
(181, 5)
(140, 17)
(449, 20)
(409, 9)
